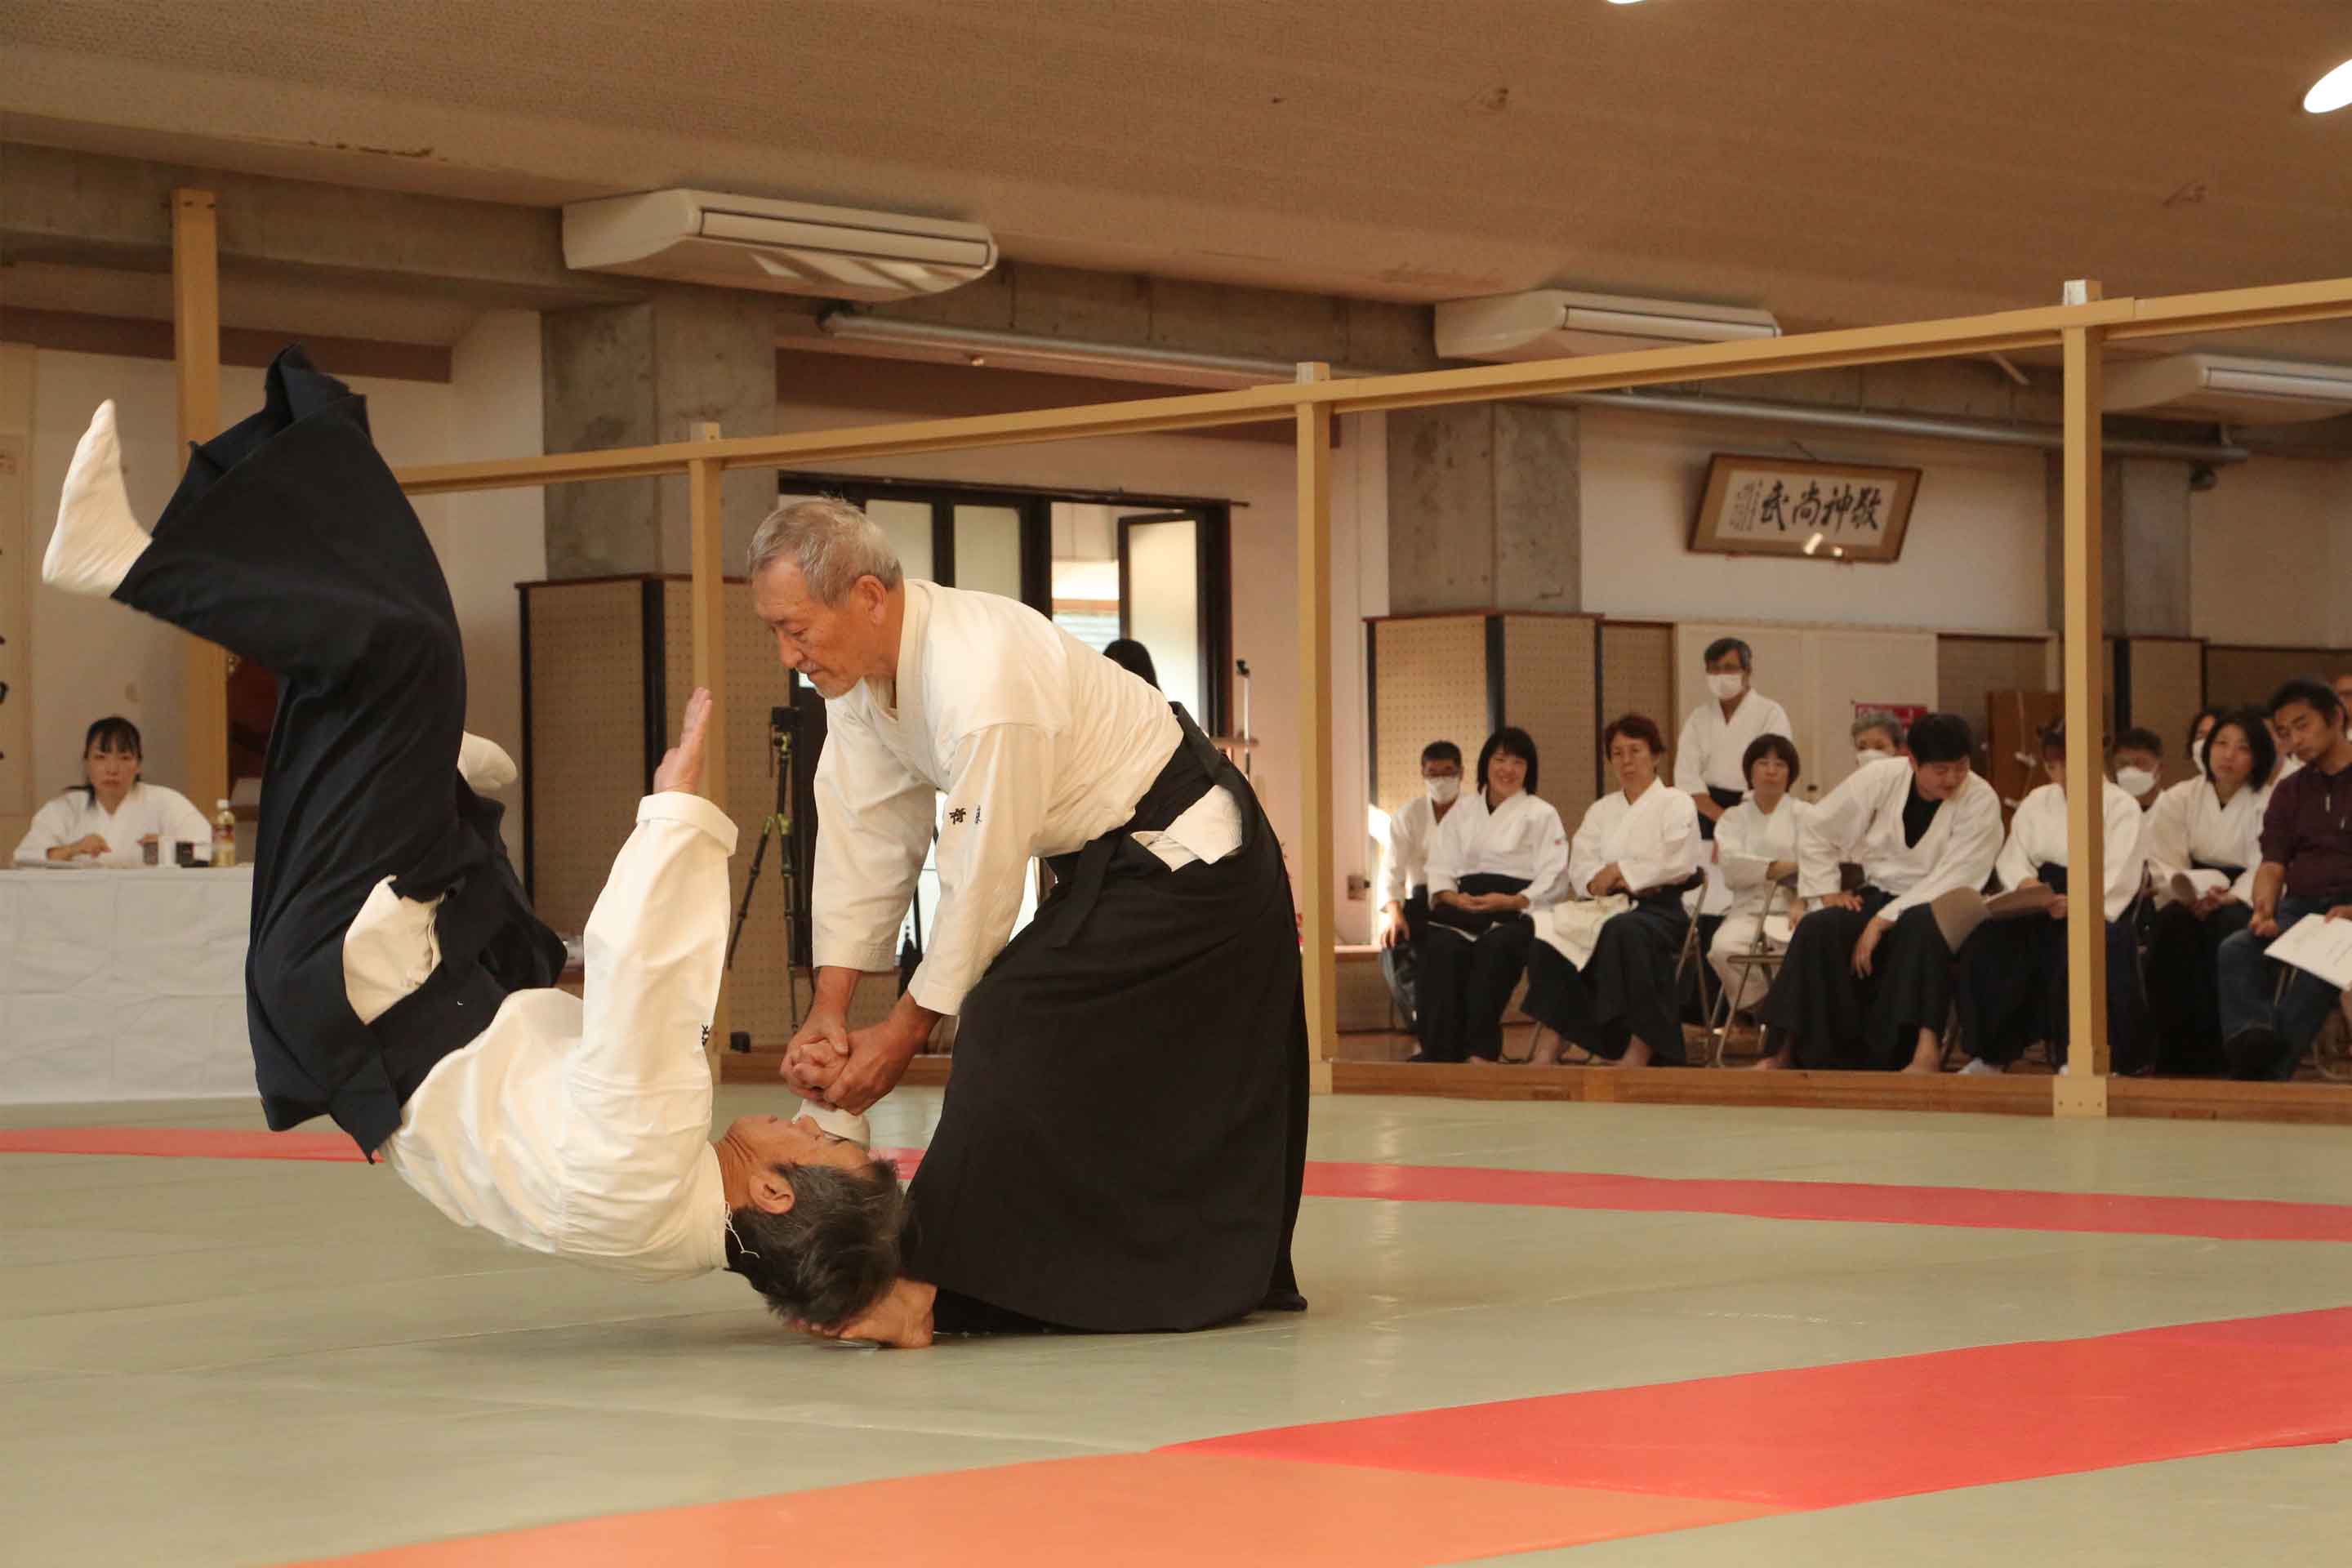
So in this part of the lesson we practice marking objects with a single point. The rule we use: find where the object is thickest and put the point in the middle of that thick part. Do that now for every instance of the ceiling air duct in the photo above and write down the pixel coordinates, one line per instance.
(784, 247)
(1552, 324)
(2209, 388)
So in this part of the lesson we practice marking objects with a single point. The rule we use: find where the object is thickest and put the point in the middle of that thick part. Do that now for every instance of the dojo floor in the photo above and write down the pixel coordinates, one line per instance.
(1794, 1339)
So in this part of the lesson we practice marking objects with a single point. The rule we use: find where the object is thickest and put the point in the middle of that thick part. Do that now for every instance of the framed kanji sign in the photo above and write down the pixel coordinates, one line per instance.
(1820, 511)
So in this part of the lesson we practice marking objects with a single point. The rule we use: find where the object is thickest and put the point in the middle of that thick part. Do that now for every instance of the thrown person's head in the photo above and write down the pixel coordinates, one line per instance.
(818, 1238)
(1942, 748)
(823, 578)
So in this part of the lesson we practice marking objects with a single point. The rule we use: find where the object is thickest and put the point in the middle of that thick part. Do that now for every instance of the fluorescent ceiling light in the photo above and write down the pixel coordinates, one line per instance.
(2330, 92)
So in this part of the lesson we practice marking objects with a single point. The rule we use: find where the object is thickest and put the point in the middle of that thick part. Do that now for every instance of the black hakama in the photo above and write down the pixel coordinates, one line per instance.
(1625, 990)
(2184, 993)
(1401, 964)
(1467, 963)
(1835, 1018)
(1727, 799)
(289, 543)
(1124, 1140)
(2012, 987)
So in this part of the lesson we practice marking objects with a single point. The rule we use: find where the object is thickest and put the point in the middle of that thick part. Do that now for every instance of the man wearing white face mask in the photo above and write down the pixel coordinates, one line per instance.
(2140, 765)
(1717, 733)
(1877, 737)
(1404, 868)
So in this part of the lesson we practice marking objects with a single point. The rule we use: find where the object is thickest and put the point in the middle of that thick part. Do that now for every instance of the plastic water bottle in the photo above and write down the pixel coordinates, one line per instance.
(223, 835)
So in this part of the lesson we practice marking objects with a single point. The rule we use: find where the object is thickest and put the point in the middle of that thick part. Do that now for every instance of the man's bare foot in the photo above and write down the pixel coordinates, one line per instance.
(901, 1319)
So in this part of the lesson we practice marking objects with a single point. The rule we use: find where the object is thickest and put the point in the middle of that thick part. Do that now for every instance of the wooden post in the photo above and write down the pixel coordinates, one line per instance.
(196, 357)
(2082, 1088)
(704, 479)
(1315, 771)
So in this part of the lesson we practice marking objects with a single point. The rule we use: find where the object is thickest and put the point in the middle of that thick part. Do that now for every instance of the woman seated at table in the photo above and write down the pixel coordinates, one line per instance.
(2012, 983)
(1756, 846)
(1498, 853)
(112, 815)
(2207, 830)
(1612, 993)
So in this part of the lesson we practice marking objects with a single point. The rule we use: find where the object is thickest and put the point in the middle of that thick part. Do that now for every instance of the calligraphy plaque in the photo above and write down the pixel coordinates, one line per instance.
(1818, 512)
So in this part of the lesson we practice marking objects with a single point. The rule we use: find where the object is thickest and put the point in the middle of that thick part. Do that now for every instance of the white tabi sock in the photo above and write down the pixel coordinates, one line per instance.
(843, 1124)
(96, 538)
(484, 764)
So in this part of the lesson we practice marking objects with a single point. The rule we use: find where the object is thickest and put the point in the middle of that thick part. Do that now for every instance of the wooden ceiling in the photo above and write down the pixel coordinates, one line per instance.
(1837, 161)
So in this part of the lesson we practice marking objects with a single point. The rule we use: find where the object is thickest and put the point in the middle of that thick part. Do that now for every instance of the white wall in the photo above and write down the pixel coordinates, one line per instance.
(91, 657)
(1261, 476)
(2271, 555)
(1973, 560)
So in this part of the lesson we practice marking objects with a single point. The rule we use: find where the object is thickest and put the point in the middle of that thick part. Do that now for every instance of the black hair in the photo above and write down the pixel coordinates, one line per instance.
(1634, 727)
(1133, 657)
(2251, 723)
(2053, 738)
(2311, 691)
(1942, 738)
(2216, 714)
(2140, 738)
(112, 733)
(1516, 740)
(1722, 645)
(832, 1254)
(1764, 746)
(1442, 752)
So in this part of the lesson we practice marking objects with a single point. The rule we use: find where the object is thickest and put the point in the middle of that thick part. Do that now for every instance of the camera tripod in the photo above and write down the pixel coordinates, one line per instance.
(777, 826)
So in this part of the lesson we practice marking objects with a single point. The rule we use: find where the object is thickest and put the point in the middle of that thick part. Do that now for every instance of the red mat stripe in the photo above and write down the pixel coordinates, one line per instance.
(2106, 1214)
(1827, 1437)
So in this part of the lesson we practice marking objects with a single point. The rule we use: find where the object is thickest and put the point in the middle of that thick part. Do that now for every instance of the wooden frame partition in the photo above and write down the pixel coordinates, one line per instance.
(2078, 330)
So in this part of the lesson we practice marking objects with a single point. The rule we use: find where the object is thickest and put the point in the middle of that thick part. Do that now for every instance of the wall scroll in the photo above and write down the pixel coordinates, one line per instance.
(1824, 511)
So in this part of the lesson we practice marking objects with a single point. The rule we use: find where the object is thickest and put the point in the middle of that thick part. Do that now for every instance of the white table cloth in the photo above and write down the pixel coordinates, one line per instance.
(123, 984)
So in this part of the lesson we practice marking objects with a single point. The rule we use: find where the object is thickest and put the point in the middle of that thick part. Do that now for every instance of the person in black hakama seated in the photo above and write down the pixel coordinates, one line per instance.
(1868, 978)
(1501, 852)
(2012, 985)
(1637, 851)
(2306, 869)
(2206, 832)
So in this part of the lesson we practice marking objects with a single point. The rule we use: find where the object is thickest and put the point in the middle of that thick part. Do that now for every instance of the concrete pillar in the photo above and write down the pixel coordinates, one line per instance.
(1484, 509)
(2145, 534)
(641, 373)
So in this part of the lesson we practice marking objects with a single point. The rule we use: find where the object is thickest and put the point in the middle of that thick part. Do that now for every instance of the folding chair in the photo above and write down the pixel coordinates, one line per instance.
(1760, 960)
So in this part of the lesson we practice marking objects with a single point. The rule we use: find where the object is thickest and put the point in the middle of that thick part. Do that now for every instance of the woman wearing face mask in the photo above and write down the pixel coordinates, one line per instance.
(1757, 840)
(2139, 765)
(110, 815)
(2012, 983)
(1499, 855)
(1640, 842)
(1877, 738)
(2207, 830)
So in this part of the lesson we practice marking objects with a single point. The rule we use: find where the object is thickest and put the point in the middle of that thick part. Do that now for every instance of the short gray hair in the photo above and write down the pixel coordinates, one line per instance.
(832, 543)
(1877, 719)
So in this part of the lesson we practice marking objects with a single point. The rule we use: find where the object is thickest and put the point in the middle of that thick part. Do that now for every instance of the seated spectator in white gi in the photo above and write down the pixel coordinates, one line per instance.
(2306, 869)
(1639, 847)
(1404, 869)
(113, 814)
(2207, 830)
(1868, 978)
(1756, 848)
(2012, 985)
(1877, 736)
(2140, 765)
(1501, 852)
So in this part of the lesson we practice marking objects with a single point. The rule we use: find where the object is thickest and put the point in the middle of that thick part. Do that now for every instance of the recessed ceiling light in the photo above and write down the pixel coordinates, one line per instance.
(2330, 92)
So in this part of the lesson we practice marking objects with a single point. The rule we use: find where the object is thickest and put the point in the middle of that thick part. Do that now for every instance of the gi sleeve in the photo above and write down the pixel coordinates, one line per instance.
(2123, 859)
(50, 827)
(873, 827)
(2248, 855)
(184, 823)
(1740, 848)
(1665, 849)
(1836, 825)
(1405, 852)
(2014, 864)
(657, 944)
(2164, 837)
(1445, 852)
(996, 813)
(1584, 856)
(1546, 882)
(1690, 765)
(1968, 853)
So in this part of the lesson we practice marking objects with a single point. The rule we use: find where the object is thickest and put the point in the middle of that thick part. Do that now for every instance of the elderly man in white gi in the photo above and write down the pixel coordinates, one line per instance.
(1124, 1144)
